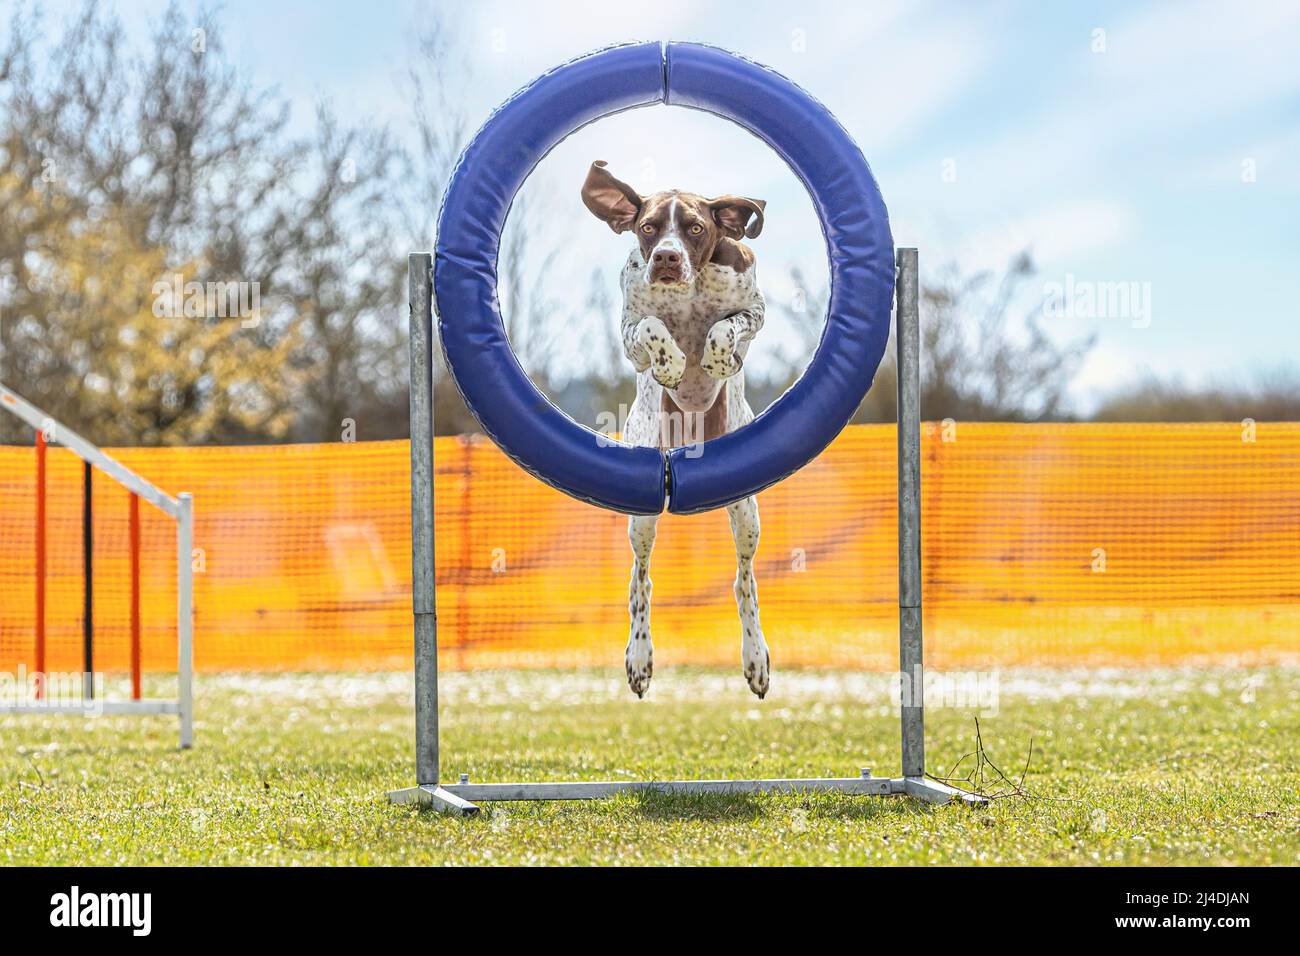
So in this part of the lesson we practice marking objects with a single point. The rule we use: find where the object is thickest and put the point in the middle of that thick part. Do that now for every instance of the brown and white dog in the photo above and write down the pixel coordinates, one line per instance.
(691, 305)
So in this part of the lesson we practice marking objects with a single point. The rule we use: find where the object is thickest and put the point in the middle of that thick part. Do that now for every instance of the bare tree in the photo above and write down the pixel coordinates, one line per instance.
(438, 77)
(435, 79)
(119, 171)
(1271, 395)
(345, 293)
(974, 366)
(139, 168)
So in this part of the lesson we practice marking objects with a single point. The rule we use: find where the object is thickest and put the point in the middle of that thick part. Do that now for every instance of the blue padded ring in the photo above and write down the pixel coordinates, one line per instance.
(790, 433)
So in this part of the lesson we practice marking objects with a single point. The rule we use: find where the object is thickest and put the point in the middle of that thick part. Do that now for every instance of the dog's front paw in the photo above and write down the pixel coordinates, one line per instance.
(667, 361)
(757, 667)
(638, 356)
(639, 660)
(720, 359)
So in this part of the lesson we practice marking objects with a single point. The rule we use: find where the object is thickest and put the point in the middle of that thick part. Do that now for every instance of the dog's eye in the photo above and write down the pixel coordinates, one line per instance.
(696, 229)
(648, 229)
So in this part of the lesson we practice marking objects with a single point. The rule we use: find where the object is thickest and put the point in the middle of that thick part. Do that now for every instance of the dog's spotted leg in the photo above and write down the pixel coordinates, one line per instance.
(632, 347)
(728, 338)
(667, 360)
(720, 359)
(639, 656)
(754, 657)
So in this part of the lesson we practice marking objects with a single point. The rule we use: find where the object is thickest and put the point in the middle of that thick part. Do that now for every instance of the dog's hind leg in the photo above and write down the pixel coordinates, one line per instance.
(754, 657)
(639, 657)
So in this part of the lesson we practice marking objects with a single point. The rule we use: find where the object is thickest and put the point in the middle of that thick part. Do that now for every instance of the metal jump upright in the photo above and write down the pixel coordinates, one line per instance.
(462, 797)
(50, 433)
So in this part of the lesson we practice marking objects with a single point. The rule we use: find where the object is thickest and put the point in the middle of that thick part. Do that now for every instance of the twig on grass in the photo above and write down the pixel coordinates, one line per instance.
(37, 770)
(978, 779)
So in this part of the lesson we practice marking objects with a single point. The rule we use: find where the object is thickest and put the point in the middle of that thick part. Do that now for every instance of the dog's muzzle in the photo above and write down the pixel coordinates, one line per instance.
(669, 264)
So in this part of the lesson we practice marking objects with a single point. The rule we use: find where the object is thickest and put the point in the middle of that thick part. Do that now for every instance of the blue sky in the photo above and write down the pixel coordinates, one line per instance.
(1164, 150)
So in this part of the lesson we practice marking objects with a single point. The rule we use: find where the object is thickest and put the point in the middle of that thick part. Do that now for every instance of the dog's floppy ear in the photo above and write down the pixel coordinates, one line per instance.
(610, 199)
(732, 213)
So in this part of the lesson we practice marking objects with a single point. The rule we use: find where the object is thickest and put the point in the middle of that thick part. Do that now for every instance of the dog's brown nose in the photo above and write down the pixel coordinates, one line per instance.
(667, 257)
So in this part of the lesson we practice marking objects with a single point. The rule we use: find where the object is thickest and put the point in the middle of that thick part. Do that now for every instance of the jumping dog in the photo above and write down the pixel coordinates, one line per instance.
(691, 306)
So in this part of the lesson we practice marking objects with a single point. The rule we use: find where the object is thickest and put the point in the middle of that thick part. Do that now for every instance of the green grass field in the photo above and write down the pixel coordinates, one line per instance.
(1129, 767)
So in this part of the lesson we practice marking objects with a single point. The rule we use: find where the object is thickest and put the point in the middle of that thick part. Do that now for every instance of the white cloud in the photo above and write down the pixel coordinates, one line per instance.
(1057, 233)
(887, 77)
(1203, 57)
(1174, 72)
(1104, 370)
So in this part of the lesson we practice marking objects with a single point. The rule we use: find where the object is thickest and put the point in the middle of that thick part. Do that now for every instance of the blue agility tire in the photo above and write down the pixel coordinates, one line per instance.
(803, 421)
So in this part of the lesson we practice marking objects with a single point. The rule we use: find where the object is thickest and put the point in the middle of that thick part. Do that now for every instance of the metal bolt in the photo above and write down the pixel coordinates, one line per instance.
(464, 778)
(866, 772)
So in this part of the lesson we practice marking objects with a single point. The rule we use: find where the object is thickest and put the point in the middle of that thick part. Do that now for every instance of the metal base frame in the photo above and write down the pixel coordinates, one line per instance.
(463, 798)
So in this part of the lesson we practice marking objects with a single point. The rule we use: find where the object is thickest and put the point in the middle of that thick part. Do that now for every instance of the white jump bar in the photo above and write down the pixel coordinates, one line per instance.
(67, 438)
(107, 708)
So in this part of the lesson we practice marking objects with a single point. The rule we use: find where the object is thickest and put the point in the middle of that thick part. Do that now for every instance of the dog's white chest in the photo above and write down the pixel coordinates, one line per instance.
(689, 312)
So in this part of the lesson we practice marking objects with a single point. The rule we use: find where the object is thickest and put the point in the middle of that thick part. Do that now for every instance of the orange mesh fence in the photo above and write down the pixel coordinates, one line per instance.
(1042, 544)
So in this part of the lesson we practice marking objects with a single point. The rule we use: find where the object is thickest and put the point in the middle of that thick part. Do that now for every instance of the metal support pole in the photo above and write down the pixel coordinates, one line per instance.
(88, 584)
(40, 564)
(907, 343)
(185, 617)
(419, 266)
(423, 583)
(134, 521)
